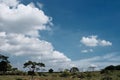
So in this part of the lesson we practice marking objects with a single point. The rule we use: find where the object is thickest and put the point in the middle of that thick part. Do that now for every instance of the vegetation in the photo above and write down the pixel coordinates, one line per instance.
(111, 67)
(7, 72)
(33, 66)
(115, 75)
(74, 69)
(4, 64)
(51, 70)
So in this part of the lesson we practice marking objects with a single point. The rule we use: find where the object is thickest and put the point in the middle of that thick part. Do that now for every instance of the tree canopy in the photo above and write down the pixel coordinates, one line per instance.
(33, 66)
(4, 64)
(112, 67)
(74, 69)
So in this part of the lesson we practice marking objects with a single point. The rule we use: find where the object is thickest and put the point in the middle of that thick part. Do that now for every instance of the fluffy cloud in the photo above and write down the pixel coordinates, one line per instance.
(33, 48)
(105, 43)
(87, 50)
(22, 19)
(89, 41)
(40, 5)
(11, 3)
(93, 41)
(19, 31)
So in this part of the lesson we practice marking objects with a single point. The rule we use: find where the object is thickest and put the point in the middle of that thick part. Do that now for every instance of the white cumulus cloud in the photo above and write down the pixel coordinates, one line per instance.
(24, 19)
(11, 3)
(19, 31)
(93, 41)
(105, 43)
(40, 5)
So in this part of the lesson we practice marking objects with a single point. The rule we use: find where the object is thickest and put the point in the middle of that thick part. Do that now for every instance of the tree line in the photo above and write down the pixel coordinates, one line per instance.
(112, 67)
(34, 67)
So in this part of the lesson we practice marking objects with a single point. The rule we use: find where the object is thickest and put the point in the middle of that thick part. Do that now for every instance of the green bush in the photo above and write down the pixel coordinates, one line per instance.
(65, 74)
(81, 75)
(50, 70)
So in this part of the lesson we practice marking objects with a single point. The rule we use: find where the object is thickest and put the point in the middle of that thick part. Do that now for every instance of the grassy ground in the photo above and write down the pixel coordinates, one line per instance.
(112, 75)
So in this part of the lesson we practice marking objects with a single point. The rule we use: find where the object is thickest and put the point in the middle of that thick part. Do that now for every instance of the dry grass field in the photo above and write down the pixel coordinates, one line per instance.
(112, 75)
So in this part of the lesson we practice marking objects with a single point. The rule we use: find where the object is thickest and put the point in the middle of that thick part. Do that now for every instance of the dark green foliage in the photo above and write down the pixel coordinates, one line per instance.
(4, 64)
(51, 70)
(32, 67)
(117, 67)
(14, 69)
(104, 71)
(3, 58)
(111, 67)
(74, 70)
(31, 73)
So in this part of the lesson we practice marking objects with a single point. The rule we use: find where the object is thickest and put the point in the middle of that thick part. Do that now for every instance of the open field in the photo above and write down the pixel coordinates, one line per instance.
(112, 75)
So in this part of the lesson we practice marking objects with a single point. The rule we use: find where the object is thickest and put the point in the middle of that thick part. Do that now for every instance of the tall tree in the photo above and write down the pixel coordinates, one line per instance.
(33, 66)
(4, 64)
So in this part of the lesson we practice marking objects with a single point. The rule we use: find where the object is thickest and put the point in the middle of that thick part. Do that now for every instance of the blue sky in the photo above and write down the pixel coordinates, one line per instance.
(74, 19)
(82, 31)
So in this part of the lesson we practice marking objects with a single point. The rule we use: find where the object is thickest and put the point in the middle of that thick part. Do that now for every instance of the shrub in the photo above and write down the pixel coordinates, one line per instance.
(74, 70)
(65, 74)
(50, 70)
(104, 71)
(81, 75)
(117, 67)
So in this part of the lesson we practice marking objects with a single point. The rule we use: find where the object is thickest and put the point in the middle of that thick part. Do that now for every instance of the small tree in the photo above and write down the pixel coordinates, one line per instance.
(33, 66)
(74, 69)
(51, 70)
(14, 69)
